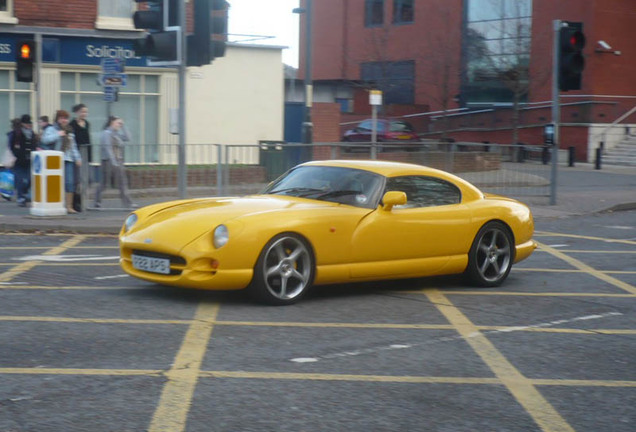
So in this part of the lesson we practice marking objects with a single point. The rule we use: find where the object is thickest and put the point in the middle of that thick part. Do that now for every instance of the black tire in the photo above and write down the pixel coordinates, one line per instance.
(284, 271)
(491, 255)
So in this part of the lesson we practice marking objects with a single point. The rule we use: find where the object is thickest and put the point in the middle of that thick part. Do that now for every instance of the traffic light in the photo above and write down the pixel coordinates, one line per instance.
(25, 60)
(161, 19)
(571, 60)
(210, 32)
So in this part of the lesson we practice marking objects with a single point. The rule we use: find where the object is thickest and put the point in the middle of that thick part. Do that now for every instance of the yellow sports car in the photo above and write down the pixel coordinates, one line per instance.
(330, 222)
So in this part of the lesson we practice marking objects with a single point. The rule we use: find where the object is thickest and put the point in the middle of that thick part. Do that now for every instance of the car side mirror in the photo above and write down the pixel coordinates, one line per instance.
(393, 198)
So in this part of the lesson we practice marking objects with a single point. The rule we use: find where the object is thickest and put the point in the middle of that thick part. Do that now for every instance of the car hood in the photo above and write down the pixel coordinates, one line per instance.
(188, 219)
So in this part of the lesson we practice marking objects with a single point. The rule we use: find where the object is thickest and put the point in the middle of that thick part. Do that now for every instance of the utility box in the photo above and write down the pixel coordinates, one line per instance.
(47, 183)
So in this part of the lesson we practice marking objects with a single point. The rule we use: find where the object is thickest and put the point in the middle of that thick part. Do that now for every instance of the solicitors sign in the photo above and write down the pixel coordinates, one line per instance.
(74, 50)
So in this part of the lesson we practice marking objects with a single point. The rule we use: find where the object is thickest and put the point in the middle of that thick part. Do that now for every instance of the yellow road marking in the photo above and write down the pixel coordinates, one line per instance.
(46, 247)
(26, 266)
(315, 377)
(70, 264)
(69, 371)
(67, 288)
(18, 318)
(91, 320)
(521, 388)
(553, 234)
(542, 270)
(176, 397)
(523, 294)
(591, 271)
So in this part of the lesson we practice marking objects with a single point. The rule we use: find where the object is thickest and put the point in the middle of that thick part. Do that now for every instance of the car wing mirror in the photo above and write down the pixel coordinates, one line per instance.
(393, 198)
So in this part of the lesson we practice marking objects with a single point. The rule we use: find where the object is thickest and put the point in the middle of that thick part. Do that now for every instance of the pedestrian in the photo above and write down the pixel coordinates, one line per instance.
(62, 138)
(111, 144)
(22, 141)
(43, 124)
(81, 128)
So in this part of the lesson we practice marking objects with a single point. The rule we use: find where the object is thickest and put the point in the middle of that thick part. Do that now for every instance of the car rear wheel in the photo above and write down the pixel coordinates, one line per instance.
(491, 255)
(284, 271)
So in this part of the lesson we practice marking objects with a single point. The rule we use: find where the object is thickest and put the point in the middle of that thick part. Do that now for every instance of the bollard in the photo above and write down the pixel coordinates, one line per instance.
(47, 182)
(545, 155)
(571, 156)
(597, 162)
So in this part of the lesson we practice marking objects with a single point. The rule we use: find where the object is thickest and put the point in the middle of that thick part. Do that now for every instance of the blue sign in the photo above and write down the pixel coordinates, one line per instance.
(110, 94)
(37, 164)
(111, 65)
(75, 50)
(114, 80)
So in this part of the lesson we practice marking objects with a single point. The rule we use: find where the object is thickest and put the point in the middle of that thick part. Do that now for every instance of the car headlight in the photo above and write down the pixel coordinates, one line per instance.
(221, 236)
(131, 220)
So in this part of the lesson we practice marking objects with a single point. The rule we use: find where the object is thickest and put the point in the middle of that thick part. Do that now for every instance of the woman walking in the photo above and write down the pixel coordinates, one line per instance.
(62, 138)
(112, 153)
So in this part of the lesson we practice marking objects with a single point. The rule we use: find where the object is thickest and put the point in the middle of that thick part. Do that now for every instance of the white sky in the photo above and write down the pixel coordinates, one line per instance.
(266, 18)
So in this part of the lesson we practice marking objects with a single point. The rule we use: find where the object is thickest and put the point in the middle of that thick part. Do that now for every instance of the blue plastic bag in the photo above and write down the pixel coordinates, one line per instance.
(7, 184)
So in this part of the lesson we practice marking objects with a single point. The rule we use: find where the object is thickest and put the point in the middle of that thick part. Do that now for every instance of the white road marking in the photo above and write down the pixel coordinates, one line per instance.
(111, 277)
(393, 347)
(559, 245)
(13, 283)
(66, 258)
(621, 227)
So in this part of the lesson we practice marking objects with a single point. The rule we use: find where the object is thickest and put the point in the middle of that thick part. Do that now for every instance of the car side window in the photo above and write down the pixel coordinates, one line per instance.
(422, 191)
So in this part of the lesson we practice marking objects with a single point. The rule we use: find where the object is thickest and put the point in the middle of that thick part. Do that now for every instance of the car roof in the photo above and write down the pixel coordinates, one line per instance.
(396, 169)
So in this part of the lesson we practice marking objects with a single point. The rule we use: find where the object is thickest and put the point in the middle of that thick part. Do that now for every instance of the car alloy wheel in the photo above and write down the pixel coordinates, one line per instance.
(491, 255)
(284, 271)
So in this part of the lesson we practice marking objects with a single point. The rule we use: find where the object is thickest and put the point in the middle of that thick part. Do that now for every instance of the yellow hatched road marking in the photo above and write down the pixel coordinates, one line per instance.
(553, 234)
(541, 270)
(64, 288)
(315, 377)
(19, 318)
(521, 388)
(592, 251)
(26, 266)
(590, 270)
(176, 397)
(70, 264)
(69, 371)
(46, 247)
(524, 294)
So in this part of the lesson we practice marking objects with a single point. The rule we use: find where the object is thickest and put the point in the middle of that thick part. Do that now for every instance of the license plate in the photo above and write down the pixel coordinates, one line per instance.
(404, 137)
(153, 265)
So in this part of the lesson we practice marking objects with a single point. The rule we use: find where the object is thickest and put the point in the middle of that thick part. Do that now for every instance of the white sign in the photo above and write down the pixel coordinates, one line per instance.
(375, 97)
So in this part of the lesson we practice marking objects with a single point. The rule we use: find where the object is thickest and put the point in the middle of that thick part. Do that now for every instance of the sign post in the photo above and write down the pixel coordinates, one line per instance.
(375, 100)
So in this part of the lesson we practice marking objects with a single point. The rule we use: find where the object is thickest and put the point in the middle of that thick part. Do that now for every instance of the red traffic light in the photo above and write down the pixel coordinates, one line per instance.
(577, 40)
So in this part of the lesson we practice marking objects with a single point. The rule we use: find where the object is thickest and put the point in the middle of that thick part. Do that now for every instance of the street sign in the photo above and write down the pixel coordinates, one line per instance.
(375, 97)
(113, 65)
(114, 80)
(110, 94)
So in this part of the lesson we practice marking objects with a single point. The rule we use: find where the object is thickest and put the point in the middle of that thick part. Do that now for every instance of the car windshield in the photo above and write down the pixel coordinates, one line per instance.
(336, 184)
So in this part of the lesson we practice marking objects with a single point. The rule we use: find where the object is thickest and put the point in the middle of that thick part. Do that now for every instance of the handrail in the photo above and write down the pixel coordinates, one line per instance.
(614, 123)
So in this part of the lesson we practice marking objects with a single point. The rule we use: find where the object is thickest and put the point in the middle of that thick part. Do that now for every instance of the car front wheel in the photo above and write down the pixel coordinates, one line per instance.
(284, 271)
(491, 255)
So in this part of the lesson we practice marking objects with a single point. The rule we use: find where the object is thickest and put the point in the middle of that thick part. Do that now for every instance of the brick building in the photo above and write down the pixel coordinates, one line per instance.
(77, 35)
(458, 56)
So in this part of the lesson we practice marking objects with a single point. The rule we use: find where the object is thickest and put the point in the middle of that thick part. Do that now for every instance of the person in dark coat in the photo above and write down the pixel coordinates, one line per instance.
(81, 129)
(22, 141)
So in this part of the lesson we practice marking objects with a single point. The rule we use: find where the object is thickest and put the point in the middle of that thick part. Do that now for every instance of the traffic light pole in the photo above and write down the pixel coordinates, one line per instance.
(182, 173)
(556, 111)
(38, 75)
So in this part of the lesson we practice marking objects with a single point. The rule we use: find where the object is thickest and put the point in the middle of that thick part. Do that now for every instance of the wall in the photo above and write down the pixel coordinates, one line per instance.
(238, 99)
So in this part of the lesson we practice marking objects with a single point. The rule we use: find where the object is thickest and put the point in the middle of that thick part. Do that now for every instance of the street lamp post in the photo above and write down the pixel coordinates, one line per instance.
(307, 126)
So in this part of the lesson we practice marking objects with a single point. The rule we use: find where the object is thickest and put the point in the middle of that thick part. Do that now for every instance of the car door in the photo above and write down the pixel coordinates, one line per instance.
(362, 132)
(419, 237)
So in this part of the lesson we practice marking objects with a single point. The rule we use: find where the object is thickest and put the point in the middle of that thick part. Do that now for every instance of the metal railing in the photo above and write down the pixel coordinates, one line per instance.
(222, 170)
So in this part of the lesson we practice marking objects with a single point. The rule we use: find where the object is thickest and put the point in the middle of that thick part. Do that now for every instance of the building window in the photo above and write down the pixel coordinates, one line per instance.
(395, 79)
(403, 11)
(496, 40)
(6, 12)
(115, 15)
(15, 97)
(373, 13)
(138, 105)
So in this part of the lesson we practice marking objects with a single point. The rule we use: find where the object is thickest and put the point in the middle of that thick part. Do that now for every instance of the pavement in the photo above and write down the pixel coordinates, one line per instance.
(581, 190)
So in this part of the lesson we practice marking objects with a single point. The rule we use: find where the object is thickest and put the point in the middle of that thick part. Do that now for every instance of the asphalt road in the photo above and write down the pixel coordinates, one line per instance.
(85, 348)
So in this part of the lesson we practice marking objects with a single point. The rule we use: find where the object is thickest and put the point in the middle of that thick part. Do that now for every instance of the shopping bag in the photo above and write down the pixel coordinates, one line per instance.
(8, 159)
(7, 184)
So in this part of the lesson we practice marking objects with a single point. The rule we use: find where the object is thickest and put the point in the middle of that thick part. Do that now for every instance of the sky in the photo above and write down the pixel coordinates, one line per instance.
(269, 22)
